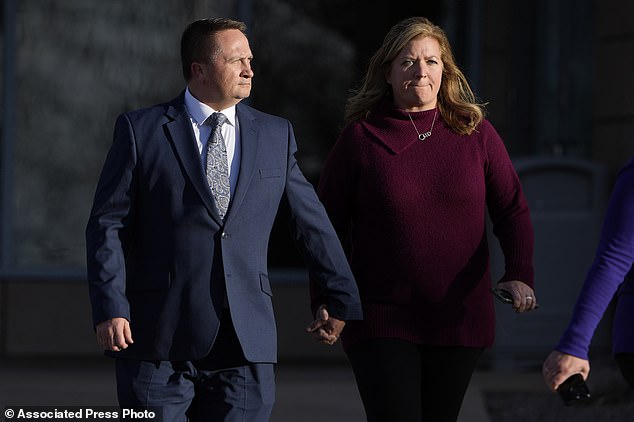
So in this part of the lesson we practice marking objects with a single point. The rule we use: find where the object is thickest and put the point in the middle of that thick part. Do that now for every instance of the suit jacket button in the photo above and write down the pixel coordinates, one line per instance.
(224, 235)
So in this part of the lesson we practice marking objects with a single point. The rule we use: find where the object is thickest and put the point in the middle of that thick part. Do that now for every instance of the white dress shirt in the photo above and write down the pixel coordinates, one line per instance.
(198, 113)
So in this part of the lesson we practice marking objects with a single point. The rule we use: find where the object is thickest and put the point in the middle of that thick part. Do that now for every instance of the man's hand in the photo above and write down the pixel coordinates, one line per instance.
(558, 367)
(325, 328)
(114, 334)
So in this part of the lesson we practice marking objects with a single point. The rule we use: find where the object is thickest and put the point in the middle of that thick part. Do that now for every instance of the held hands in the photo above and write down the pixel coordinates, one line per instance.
(325, 328)
(114, 334)
(558, 367)
(524, 299)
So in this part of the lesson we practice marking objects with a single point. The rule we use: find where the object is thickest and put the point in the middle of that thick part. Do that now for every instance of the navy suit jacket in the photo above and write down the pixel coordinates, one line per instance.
(157, 252)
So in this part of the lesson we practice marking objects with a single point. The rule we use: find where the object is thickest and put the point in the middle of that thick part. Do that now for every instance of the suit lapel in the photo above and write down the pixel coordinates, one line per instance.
(180, 131)
(249, 150)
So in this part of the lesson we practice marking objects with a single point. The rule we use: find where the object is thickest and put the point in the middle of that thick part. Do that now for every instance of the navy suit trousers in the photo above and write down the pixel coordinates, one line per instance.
(223, 386)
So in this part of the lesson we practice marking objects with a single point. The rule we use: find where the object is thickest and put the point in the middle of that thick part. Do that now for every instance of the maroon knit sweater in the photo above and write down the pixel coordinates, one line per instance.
(411, 215)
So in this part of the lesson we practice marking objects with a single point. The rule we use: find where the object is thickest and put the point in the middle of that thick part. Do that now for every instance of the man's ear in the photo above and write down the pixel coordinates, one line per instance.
(197, 70)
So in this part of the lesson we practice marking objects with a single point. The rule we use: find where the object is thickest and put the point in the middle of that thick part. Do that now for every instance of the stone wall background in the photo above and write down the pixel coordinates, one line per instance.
(81, 63)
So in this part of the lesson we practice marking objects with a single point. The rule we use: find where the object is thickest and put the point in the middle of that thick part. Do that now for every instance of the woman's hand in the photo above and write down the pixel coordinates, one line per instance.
(523, 296)
(558, 367)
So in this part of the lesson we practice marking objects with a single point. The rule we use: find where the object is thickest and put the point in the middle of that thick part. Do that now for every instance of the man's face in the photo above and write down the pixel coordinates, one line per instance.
(226, 79)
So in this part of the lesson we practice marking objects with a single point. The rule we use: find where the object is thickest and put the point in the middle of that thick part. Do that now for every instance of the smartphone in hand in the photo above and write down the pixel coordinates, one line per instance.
(505, 296)
(574, 390)
(502, 295)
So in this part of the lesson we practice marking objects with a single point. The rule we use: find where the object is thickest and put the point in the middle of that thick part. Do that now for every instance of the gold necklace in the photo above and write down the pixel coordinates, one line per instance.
(424, 135)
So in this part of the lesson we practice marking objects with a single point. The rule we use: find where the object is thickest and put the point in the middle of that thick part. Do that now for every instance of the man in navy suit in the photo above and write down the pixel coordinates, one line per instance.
(178, 278)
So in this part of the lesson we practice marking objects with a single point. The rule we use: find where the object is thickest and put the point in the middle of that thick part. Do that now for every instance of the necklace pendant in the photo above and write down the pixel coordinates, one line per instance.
(424, 135)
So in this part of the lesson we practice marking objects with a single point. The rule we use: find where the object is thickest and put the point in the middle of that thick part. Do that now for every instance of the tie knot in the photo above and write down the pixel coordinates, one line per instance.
(216, 120)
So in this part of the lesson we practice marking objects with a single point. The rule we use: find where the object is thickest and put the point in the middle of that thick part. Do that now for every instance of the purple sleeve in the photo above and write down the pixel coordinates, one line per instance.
(613, 260)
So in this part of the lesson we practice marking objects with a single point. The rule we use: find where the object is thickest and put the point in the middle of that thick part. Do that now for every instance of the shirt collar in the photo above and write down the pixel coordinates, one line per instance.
(199, 111)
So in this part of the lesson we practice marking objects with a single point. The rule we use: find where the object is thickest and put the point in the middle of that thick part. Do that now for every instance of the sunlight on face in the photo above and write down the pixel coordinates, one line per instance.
(415, 75)
(227, 78)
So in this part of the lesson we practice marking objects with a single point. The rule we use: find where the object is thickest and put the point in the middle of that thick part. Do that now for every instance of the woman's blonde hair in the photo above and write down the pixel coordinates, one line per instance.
(456, 101)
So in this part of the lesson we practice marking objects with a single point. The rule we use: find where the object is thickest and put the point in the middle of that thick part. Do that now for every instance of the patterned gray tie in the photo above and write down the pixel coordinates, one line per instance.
(217, 167)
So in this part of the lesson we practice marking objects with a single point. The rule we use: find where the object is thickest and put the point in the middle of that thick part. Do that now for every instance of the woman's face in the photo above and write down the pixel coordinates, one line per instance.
(415, 75)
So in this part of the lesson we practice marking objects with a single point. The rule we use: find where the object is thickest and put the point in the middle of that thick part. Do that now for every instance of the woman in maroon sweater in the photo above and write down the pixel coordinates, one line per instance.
(407, 186)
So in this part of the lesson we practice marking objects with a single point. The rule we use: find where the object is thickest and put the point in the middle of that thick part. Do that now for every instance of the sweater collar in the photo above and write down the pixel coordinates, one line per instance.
(392, 127)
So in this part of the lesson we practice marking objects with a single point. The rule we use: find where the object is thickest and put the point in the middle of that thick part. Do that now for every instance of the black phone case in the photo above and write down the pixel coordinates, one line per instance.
(574, 390)
(502, 295)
